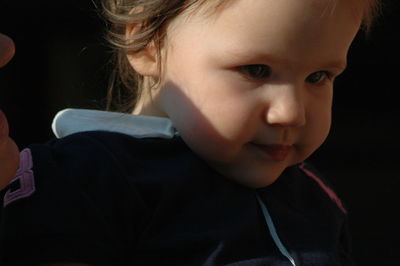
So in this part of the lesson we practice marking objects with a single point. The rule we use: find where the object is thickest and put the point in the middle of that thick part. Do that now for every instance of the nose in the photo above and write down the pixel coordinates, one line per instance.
(7, 49)
(286, 107)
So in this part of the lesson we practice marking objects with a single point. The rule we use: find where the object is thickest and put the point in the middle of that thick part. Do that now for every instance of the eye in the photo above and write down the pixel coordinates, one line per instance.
(318, 77)
(256, 71)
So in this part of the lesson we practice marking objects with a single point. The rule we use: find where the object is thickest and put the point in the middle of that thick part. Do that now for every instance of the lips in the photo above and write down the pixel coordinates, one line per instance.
(277, 152)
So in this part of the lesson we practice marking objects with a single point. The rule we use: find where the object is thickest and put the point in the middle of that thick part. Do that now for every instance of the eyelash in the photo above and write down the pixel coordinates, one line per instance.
(321, 80)
(261, 72)
(255, 71)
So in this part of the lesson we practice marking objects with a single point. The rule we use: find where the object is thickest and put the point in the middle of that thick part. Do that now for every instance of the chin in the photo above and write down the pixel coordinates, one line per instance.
(253, 174)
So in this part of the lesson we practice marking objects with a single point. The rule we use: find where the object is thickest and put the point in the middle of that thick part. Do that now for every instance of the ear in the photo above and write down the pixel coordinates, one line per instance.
(144, 62)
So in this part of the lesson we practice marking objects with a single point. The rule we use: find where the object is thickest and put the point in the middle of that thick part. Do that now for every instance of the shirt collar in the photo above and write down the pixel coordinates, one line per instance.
(70, 121)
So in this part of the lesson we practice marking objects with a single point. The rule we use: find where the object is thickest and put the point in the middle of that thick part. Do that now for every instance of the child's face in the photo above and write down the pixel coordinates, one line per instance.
(250, 88)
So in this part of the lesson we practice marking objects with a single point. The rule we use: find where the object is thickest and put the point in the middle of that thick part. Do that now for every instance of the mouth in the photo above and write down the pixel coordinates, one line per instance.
(277, 152)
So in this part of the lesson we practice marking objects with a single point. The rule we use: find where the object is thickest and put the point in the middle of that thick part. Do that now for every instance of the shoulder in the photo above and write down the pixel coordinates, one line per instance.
(72, 193)
(98, 145)
(66, 165)
(96, 163)
(85, 152)
(75, 159)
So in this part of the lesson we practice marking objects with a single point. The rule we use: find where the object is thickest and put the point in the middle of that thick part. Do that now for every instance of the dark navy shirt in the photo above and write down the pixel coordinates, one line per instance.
(107, 198)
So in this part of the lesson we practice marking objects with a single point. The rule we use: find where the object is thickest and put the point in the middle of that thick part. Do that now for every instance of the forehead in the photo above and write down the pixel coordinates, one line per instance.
(322, 9)
(287, 28)
(215, 6)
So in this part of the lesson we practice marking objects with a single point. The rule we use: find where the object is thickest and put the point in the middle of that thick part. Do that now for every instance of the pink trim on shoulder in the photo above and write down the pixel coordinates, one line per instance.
(324, 187)
(25, 177)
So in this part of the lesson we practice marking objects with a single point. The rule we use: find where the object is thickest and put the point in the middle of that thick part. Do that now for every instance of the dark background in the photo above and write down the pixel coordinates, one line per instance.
(62, 61)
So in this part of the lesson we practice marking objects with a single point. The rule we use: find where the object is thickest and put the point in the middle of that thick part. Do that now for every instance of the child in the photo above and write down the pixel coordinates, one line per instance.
(229, 99)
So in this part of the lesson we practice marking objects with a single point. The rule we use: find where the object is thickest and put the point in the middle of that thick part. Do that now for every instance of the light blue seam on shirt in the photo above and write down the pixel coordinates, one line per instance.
(272, 231)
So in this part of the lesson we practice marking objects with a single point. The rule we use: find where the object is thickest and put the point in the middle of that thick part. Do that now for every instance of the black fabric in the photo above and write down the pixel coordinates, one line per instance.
(110, 199)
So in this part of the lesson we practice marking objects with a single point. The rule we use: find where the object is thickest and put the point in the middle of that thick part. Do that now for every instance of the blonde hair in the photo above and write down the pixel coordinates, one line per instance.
(126, 85)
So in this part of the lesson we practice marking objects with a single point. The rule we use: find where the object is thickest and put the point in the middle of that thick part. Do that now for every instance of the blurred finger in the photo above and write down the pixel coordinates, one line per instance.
(9, 154)
(7, 49)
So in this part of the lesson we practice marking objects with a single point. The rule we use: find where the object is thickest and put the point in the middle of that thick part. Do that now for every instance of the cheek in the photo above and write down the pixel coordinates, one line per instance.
(321, 111)
(212, 120)
(326, 117)
(320, 123)
(325, 125)
(230, 117)
(210, 103)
